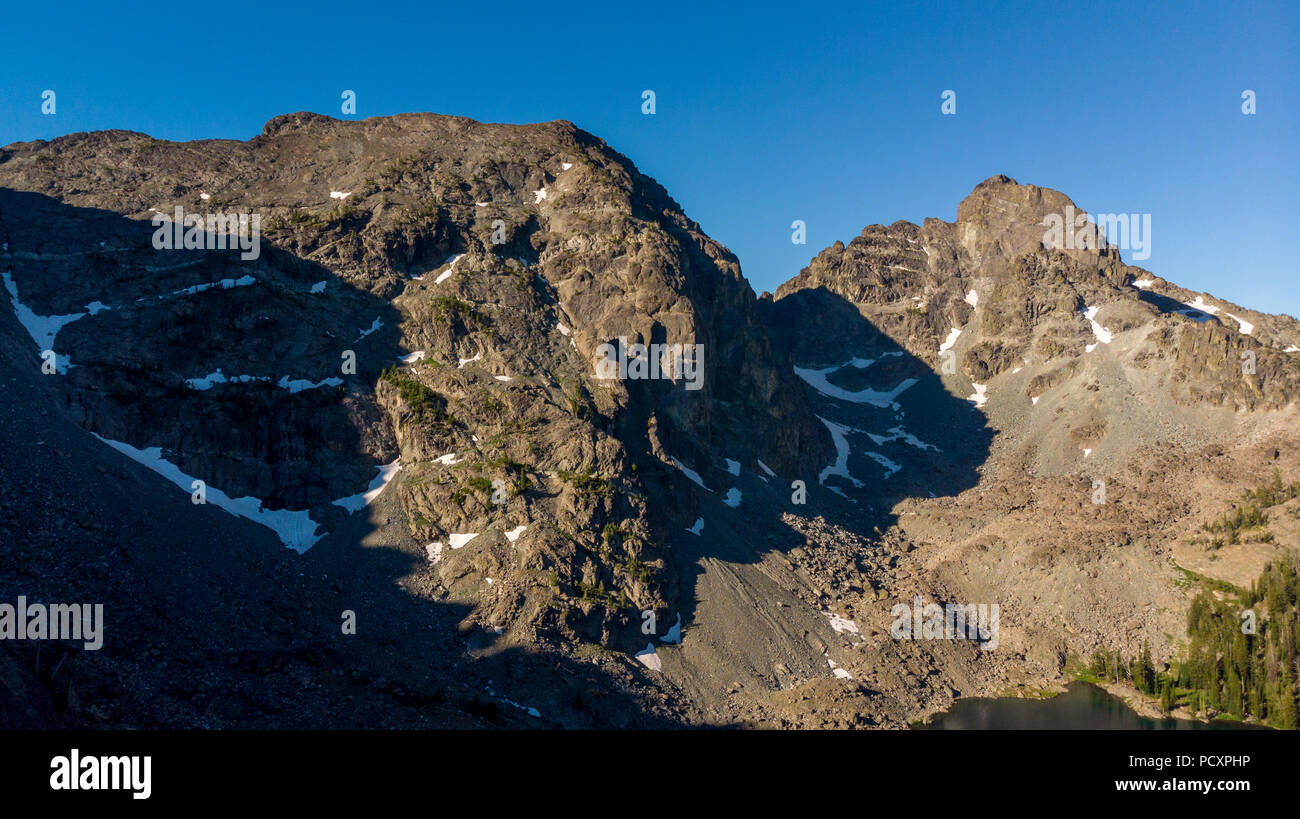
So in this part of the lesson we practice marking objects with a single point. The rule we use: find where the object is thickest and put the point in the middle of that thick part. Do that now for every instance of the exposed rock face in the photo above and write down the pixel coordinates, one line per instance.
(411, 362)
(1019, 303)
(492, 260)
(1099, 400)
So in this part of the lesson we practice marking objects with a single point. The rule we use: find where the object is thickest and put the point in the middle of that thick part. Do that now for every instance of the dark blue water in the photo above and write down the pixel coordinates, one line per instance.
(1083, 706)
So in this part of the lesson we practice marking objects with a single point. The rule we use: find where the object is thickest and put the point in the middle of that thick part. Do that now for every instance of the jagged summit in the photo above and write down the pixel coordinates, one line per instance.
(916, 280)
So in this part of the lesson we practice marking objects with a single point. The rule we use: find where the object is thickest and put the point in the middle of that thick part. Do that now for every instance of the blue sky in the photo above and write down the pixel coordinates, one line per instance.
(766, 113)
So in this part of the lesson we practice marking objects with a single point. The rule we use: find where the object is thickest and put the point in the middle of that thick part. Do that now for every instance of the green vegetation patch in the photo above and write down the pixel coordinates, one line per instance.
(448, 308)
(587, 483)
(425, 405)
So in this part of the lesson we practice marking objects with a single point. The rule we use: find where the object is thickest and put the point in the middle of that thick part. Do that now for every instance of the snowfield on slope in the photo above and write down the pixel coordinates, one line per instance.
(816, 378)
(295, 529)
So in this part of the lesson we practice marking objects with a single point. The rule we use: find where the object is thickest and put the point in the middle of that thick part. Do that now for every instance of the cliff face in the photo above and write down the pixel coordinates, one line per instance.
(430, 293)
(1002, 294)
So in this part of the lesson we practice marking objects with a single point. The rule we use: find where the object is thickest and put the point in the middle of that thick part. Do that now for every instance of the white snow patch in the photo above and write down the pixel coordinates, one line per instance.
(649, 658)
(375, 325)
(318, 287)
(563, 330)
(843, 674)
(698, 527)
(980, 395)
(300, 384)
(891, 467)
(1034, 399)
(503, 378)
(532, 712)
(464, 361)
(354, 503)
(674, 634)
(442, 277)
(539, 195)
(1245, 326)
(296, 529)
(732, 466)
(411, 358)
(42, 329)
(1203, 306)
(448, 459)
(340, 194)
(1292, 349)
(973, 298)
(1143, 284)
(1087, 452)
(434, 551)
(690, 473)
(1195, 315)
(457, 541)
(766, 469)
(900, 434)
(566, 165)
(818, 381)
(733, 498)
(839, 435)
(1103, 335)
(205, 196)
(514, 533)
(842, 625)
(207, 382)
(953, 335)
(224, 284)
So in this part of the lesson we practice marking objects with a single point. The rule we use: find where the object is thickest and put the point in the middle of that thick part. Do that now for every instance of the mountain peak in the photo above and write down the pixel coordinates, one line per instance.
(1002, 220)
(996, 180)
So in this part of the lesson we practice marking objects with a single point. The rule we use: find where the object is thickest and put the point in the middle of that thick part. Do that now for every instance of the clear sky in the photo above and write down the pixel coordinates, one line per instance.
(765, 112)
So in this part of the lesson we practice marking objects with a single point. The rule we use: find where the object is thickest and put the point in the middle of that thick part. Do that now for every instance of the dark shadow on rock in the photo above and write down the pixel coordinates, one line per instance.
(936, 440)
(209, 621)
(1165, 304)
(920, 442)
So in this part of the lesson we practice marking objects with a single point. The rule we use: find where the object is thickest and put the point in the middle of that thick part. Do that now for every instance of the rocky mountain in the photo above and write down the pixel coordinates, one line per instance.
(1107, 415)
(393, 407)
